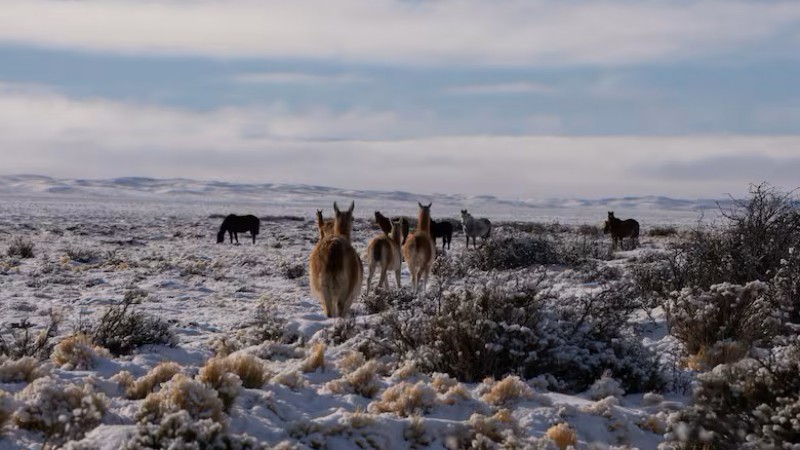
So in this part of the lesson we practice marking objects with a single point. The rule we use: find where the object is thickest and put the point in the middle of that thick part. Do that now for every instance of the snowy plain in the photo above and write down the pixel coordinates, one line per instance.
(159, 236)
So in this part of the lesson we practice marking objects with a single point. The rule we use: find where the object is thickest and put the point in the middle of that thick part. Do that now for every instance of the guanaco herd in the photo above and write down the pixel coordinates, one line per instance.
(335, 268)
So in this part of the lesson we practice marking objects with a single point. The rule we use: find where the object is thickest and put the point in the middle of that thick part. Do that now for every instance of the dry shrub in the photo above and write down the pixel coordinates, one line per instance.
(606, 386)
(142, 387)
(351, 361)
(216, 375)
(61, 411)
(509, 389)
(24, 369)
(250, 369)
(20, 247)
(442, 382)
(358, 419)
(563, 435)
(405, 399)
(496, 428)
(707, 358)
(315, 359)
(77, 352)
(415, 432)
(182, 393)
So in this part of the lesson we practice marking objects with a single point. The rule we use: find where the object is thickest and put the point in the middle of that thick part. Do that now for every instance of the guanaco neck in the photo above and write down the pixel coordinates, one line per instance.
(396, 233)
(424, 221)
(341, 228)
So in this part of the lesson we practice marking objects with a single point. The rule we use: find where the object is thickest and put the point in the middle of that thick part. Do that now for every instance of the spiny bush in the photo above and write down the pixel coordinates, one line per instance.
(266, 325)
(122, 329)
(751, 404)
(60, 411)
(82, 254)
(514, 250)
(503, 324)
(662, 231)
(379, 300)
(23, 339)
(76, 352)
(20, 247)
(726, 312)
(181, 431)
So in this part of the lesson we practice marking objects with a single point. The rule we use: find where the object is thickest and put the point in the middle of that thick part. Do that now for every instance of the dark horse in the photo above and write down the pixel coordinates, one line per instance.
(442, 230)
(621, 229)
(234, 224)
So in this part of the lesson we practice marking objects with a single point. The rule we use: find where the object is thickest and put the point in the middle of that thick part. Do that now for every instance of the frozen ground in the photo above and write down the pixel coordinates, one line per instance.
(162, 240)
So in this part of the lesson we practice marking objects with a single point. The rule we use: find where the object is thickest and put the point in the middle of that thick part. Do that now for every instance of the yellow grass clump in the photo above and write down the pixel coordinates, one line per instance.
(507, 390)
(726, 352)
(315, 359)
(351, 361)
(405, 399)
(24, 369)
(139, 389)
(77, 352)
(562, 435)
(216, 375)
(250, 369)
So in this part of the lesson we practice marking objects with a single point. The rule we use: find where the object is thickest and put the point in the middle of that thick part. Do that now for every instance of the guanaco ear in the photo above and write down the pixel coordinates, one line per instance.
(352, 207)
(429, 205)
(420, 205)
(336, 208)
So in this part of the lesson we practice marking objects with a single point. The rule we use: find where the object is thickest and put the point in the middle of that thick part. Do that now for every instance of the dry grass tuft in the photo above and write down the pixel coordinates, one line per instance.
(24, 369)
(507, 390)
(563, 435)
(142, 387)
(315, 359)
(726, 352)
(250, 369)
(405, 399)
(291, 379)
(351, 361)
(77, 352)
(215, 374)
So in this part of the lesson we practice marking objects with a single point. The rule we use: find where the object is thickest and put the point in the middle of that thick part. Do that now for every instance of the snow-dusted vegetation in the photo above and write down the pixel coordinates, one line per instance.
(124, 325)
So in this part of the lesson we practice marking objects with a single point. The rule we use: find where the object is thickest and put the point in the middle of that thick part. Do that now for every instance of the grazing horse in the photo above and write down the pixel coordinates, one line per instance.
(621, 229)
(475, 228)
(325, 227)
(442, 230)
(234, 225)
(420, 250)
(386, 225)
(335, 269)
(384, 250)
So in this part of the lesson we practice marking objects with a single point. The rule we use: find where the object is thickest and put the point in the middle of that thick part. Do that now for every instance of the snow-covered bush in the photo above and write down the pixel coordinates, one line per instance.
(500, 324)
(605, 386)
(182, 393)
(77, 352)
(362, 380)
(181, 431)
(24, 369)
(60, 411)
(379, 300)
(514, 250)
(725, 312)
(751, 404)
(122, 329)
(266, 325)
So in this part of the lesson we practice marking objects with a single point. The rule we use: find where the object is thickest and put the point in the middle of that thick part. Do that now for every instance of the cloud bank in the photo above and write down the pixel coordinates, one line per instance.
(443, 32)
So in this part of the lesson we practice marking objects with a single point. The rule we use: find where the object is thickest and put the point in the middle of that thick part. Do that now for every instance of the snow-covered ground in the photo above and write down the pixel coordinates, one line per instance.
(159, 236)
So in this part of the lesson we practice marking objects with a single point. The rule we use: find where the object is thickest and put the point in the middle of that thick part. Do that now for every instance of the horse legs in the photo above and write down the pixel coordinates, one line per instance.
(254, 237)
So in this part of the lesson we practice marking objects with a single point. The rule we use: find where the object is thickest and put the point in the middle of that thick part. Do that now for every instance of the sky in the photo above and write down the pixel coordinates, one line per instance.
(516, 98)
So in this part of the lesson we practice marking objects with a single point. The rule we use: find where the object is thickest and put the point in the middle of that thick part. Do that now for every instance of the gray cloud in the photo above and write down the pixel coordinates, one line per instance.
(752, 168)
